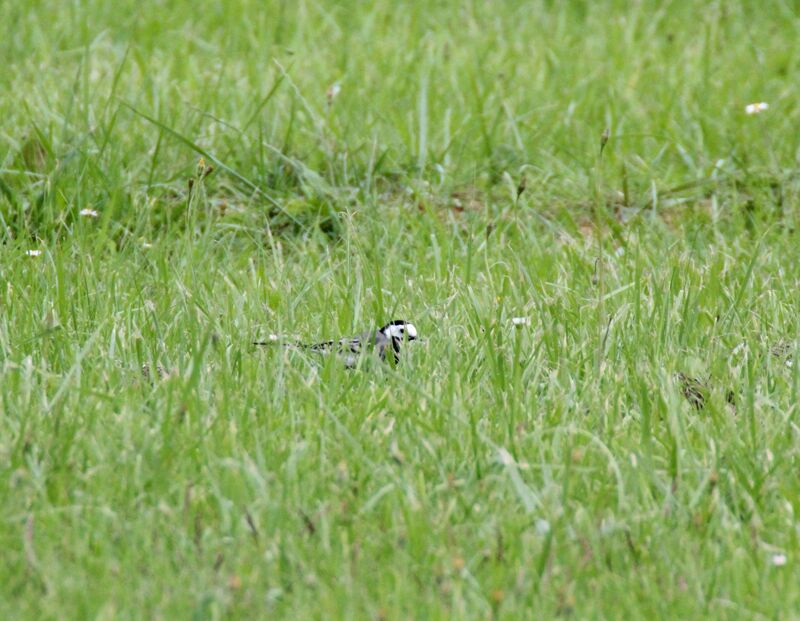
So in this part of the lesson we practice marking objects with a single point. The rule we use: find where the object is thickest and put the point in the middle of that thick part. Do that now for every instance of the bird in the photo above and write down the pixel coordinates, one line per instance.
(783, 351)
(696, 391)
(385, 341)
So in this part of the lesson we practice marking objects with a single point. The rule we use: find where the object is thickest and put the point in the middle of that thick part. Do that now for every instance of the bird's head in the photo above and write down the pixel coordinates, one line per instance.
(400, 329)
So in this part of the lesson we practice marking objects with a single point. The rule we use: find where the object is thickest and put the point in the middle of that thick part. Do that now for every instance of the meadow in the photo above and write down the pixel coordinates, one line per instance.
(571, 201)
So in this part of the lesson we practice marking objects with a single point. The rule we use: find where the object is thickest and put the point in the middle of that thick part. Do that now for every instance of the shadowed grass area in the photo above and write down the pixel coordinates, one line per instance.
(178, 181)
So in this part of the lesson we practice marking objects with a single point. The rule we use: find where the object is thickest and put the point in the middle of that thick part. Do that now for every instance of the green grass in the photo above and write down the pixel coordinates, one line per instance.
(500, 471)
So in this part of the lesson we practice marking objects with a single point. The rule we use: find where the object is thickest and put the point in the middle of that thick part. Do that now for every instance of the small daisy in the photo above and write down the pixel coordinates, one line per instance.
(779, 560)
(33, 253)
(521, 321)
(756, 108)
(88, 213)
(333, 92)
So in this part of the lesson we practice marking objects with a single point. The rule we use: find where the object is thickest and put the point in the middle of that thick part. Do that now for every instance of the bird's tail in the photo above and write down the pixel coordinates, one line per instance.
(275, 341)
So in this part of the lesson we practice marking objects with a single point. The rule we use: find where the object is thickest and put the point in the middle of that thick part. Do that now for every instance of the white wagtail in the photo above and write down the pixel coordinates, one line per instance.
(384, 341)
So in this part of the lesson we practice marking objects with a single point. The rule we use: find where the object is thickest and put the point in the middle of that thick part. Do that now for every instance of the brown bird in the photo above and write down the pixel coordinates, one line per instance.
(696, 392)
(693, 390)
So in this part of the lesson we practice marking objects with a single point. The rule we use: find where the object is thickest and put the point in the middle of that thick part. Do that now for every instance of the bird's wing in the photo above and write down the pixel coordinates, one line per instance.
(353, 345)
(350, 345)
(383, 345)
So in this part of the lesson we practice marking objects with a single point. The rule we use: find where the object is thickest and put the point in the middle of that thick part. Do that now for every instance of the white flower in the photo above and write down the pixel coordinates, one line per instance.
(756, 108)
(333, 91)
(521, 321)
(147, 245)
(779, 560)
(90, 213)
(33, 253)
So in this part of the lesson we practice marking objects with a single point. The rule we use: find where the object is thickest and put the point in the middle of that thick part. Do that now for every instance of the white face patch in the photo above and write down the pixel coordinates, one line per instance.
(401, 331)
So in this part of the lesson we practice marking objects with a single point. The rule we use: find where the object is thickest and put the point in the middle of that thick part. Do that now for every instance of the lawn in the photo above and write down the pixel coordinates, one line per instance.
(570, 201)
